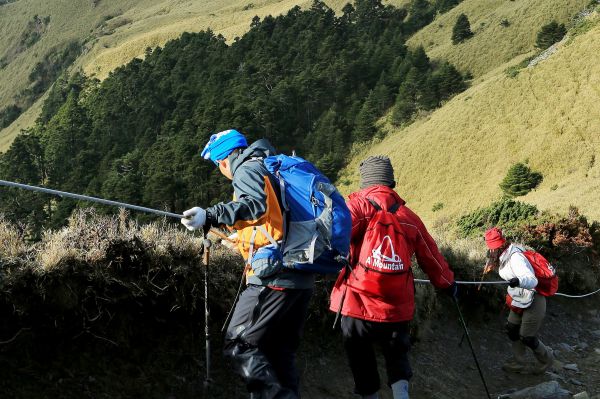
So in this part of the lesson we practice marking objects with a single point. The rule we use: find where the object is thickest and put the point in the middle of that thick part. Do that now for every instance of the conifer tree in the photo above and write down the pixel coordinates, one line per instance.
(443, 6)
(550, 34)
(8, 115)
(520, 180)
(24, 163)
(462, 29)
(420, 13)
(364, 128)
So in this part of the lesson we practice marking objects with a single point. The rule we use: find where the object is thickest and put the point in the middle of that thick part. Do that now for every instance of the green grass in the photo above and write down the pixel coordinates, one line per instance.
(548, 115)
(493, 44)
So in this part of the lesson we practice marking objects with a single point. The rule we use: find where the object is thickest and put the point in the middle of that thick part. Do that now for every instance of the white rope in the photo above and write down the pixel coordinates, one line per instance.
(577, 296)
(465, 282)
(506, 282)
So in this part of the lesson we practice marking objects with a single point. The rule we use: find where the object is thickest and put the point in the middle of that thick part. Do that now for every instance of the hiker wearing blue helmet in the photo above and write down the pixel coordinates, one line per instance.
(266, 325)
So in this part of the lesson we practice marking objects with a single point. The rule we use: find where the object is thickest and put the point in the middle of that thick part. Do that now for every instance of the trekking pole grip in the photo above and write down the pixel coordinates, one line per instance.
(206, 256)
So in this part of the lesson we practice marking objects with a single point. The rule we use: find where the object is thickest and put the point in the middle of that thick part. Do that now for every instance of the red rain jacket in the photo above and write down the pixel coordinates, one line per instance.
(367, 306)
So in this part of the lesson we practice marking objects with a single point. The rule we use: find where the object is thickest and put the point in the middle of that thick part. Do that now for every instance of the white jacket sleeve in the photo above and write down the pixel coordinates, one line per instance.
(522, 269)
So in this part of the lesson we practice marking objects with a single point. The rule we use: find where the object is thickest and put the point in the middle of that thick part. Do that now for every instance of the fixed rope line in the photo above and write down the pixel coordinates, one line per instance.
(465, 282)
(88, 198)
(105, 202)
(421, 281)
(216, 232)
(577, 296)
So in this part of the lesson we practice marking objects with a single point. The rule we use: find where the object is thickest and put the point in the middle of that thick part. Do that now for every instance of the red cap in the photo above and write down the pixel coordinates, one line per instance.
(494, 238)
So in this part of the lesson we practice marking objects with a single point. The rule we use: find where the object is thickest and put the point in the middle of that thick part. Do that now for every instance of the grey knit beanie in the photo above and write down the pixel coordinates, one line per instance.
(376, 170)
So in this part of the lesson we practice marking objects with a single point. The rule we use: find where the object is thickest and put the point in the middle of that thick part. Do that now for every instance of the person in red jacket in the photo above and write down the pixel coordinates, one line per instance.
(376, 296)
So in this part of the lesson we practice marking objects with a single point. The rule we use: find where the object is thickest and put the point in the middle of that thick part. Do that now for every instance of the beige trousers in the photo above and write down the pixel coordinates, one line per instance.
(532, 318)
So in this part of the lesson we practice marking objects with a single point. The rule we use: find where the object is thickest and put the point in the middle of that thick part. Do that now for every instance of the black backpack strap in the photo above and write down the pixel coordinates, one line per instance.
(392, 208)
(375, 204)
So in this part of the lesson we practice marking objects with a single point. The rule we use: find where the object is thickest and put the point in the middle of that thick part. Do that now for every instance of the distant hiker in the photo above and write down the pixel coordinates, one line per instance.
(266, 325)
(376, 296)
(524, 298)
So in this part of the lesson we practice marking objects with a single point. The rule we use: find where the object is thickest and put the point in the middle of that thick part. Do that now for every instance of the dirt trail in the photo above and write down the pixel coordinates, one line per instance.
(445, 370)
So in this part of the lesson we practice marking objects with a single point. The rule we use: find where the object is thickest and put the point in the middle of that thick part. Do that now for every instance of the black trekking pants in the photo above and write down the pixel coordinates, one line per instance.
(262, 339)
(394, 340)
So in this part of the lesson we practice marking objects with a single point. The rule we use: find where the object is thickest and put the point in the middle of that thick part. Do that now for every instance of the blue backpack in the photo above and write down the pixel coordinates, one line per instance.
(317, 222)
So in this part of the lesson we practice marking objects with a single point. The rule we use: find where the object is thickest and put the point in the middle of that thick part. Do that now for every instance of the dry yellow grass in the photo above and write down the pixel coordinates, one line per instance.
(88, 236)
(12, 243)
(548, 115)
(493, 44)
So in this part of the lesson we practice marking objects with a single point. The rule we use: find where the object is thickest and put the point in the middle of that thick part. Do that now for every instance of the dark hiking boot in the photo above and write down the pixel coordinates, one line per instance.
(517, 363)
(273, 391)
(545, 359)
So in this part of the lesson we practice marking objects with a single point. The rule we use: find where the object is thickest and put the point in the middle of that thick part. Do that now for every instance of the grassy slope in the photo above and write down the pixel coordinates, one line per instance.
(549, 115)
(138, 24)
(493, 44)
(69, 20)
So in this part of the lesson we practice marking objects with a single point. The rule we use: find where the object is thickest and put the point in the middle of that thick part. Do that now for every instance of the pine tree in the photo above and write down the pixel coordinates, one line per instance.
(8, 115)
(403, 111)
(443, 6)
(462, 29)
(550, 34)
(24, 163)
(408, 95)
(420, 13)
(364, 128)
(520, 180)
(381, 95)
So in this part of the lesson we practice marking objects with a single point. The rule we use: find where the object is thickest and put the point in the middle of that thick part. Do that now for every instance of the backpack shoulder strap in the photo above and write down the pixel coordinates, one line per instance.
(375, 204)
(392, 208)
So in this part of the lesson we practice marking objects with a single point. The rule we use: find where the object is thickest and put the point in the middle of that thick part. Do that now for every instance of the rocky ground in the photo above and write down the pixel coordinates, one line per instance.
(167, 361)
(444, 368)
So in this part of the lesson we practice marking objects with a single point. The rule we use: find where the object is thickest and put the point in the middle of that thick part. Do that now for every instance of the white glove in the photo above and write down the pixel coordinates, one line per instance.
(194, 218)
(231, 244)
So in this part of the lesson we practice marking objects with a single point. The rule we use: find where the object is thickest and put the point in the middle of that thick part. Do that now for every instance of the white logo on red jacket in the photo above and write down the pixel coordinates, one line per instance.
(384, 257)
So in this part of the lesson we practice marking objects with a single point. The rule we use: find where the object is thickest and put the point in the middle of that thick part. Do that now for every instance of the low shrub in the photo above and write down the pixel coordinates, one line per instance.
(503, 213)
(571, 243)
(438, 206)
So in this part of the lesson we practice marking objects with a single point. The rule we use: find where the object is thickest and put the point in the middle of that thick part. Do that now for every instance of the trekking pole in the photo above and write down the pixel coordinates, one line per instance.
(464, 325)
(206, 245)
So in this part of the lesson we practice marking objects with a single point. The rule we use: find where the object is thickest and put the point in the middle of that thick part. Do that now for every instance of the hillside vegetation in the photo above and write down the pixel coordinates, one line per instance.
(309, 81)
(547, 116)
(494, 42)
(114, 309)
(112, 33)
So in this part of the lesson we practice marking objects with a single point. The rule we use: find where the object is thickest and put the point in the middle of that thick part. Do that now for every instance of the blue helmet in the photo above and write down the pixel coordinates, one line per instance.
(220, 145)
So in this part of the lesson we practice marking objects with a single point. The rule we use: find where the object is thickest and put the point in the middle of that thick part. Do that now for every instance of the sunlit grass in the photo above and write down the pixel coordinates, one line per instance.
(548, 115)
(493, 44)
